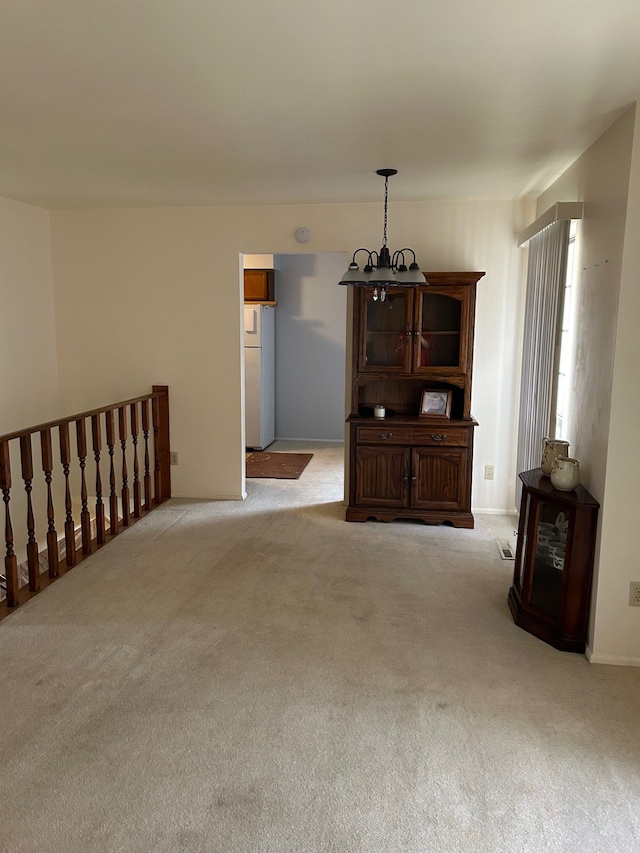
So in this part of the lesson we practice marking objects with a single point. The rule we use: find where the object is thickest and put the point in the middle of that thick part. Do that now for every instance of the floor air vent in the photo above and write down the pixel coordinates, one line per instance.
(507, 551)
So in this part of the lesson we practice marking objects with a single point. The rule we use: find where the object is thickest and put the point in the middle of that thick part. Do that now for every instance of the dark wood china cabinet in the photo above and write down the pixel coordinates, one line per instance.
(408, 465)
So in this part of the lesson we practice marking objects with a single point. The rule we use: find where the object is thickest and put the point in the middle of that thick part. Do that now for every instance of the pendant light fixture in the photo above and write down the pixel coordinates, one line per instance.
(383, 270)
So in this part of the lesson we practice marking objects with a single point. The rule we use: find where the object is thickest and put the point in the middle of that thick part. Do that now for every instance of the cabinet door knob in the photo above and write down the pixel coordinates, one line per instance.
(405, 477)
(414, 478)
(439, 436)
(385, 434)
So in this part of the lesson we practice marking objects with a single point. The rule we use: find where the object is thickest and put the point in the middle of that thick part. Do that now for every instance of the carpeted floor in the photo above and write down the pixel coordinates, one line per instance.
(261, 677)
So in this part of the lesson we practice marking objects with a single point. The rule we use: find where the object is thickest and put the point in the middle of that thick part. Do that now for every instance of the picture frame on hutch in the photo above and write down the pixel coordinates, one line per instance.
(435, 403)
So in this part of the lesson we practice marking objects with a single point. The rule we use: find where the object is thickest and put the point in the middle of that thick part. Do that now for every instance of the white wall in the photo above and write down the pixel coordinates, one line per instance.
(599, 178)
(606, 394)
(173, 313)
(311, 333)
(617, 626)
(29, 392)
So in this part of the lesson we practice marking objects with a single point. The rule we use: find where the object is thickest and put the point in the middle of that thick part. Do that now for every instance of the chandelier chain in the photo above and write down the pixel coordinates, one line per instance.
(382, 270)
(386, 201)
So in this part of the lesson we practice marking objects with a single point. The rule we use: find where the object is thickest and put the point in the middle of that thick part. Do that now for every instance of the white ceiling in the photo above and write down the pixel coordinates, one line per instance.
(198, 102)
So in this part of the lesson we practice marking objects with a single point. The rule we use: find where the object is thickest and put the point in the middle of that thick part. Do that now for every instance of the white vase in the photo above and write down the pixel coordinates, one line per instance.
(551, 448)
(565, 475)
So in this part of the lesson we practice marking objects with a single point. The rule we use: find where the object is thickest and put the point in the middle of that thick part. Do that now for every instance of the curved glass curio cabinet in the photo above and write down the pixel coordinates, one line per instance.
(554, 562)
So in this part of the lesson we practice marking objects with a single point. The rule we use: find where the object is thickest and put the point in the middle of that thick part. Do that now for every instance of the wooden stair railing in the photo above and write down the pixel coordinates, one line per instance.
(124, 509)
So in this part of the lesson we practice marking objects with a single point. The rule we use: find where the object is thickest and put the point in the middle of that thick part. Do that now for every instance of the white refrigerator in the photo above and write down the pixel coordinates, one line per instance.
(259, 375)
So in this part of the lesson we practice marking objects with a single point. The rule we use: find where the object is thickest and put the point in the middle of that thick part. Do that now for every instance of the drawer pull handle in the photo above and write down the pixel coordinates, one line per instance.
(385, 435)
(439, 436)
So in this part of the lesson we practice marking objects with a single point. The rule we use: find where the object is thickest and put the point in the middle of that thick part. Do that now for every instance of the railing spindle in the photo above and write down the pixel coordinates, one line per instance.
(161, 445)
(157, 476)
(69, 526)
(113, 497)
(147, 475)
(26, 458)
(10, 560)
(85, 515)
(96, 435)
(52, 535)
(136, 467)
(126, 498)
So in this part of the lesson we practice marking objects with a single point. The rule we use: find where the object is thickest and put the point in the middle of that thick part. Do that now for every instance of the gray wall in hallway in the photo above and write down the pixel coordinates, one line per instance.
(310, 346)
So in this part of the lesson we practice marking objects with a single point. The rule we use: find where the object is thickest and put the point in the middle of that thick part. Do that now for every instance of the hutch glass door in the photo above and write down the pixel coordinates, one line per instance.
(387, 334)
(438, 334)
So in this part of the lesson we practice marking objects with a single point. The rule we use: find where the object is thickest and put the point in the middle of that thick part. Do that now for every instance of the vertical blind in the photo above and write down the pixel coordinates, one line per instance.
(545, 279)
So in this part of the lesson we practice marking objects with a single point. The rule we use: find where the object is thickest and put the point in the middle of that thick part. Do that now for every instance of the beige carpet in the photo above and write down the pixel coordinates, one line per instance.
(262, 677)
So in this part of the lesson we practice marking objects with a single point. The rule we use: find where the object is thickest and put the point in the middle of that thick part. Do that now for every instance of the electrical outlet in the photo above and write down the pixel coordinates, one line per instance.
(173, 458)
(634, 594)
(489, 472)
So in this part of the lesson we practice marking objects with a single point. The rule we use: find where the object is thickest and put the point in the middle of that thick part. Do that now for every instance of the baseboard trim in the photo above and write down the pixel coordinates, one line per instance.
(325, 440)
(236, 497)
(610, 660)
(510, 512)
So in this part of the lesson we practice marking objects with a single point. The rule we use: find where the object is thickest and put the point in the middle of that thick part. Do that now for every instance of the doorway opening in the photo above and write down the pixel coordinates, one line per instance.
(308, 356)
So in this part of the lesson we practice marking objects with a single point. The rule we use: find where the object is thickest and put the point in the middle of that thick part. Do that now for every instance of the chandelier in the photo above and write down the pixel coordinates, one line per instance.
(383, 270)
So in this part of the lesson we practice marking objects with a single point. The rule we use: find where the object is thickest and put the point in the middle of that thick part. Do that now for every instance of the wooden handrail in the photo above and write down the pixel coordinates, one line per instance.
(71, 418)
(68, 544)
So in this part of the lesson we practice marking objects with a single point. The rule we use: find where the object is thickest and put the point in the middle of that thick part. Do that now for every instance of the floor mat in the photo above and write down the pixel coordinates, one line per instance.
(282, 466)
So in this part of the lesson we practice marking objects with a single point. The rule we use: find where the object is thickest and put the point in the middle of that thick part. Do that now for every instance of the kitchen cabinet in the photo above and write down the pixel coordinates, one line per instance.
(258, 285)
(406, 465)
(553, 569)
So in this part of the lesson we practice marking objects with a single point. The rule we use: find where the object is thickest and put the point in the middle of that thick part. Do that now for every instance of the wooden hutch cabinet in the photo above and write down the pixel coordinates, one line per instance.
(407, 465)
(554, 562)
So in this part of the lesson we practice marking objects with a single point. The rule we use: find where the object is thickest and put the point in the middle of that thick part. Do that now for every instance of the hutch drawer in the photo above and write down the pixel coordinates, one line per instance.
(385, 434)
(428, 436)
(445, 436)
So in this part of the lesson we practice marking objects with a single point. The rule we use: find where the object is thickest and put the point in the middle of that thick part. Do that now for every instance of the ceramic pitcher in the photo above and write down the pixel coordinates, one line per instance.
(565, 474)
(552, 447)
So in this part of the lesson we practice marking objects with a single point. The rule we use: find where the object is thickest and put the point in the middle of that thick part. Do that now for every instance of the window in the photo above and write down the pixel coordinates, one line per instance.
(546, 278)
(564, 346)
